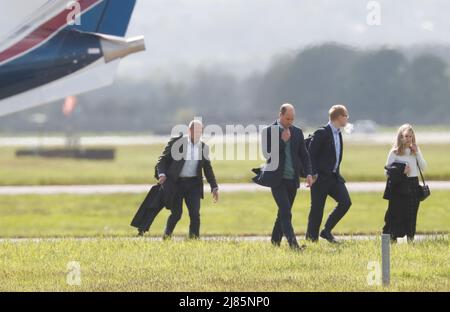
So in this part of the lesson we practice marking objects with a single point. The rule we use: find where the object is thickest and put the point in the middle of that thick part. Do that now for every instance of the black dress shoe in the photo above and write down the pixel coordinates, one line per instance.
(328, 236)
(311, 239)
(298, 248)
(194, 237)
(276, 243)
(141, 233)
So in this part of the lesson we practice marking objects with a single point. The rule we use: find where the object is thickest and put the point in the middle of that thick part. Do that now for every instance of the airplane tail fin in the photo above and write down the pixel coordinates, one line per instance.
(116, 17)
(109, 17)
(99, 40)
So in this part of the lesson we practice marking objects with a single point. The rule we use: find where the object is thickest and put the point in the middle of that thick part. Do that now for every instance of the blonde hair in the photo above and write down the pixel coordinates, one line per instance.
(336, 111)
(399, 147)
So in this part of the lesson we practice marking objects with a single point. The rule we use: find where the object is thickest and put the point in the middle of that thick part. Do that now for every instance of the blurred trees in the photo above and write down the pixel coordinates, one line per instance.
(383, 85)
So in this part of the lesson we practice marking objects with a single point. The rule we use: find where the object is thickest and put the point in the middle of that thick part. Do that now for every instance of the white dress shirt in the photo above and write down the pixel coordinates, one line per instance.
(337, 144)
(192, 157)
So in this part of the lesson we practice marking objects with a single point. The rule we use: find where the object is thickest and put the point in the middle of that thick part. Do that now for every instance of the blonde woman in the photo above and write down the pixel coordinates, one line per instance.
(403, 183)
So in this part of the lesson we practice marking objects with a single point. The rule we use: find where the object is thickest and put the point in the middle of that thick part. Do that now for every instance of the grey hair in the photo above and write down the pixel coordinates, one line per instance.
(193, 123)
(284, 108)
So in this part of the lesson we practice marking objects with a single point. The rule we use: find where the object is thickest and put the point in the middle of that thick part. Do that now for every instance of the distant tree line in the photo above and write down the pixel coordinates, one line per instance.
(384, 85)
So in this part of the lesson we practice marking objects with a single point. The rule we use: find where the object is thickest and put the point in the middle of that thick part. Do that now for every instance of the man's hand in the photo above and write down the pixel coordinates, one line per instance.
(315, 178)
(286, 135)
(309, 181)
(162, 179)
(414, 148)
(215, 195)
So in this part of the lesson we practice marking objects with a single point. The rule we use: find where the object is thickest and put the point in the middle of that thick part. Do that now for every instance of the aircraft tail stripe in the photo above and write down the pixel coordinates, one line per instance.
(116, 17)
(43, 32)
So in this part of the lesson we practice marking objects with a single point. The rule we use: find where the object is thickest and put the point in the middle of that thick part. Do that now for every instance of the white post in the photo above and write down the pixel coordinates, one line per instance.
(386, 258)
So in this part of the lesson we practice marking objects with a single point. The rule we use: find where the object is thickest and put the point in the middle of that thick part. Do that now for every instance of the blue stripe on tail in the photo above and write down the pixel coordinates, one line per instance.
(110, 17)
(116, 17)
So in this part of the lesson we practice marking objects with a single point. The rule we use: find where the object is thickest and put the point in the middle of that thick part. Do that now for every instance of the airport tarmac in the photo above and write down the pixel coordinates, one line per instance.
(231, 238)
(356, 138)
(224, 188)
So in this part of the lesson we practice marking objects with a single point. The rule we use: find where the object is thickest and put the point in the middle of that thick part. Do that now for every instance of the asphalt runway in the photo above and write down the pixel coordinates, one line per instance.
(123, 140)
(137, 189)
(231, 238)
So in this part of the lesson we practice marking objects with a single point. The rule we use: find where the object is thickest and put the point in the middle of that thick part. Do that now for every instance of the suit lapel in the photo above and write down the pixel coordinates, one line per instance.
(184, 152)
(330, 133)
(202, 157)
(293, 141)
(185, 144)
(280, 132)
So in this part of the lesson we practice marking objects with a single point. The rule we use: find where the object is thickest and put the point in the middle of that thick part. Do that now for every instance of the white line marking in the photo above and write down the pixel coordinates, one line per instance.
(231, 238)
(143, 188)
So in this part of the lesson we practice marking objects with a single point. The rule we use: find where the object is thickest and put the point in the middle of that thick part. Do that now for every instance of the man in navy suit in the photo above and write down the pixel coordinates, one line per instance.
(326, 151)
(284, 148)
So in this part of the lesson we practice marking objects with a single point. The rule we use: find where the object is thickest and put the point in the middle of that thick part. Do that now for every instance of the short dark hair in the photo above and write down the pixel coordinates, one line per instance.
(285, 107)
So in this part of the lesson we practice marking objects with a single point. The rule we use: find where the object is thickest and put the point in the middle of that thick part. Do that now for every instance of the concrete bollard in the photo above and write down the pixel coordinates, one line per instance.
(386, 259)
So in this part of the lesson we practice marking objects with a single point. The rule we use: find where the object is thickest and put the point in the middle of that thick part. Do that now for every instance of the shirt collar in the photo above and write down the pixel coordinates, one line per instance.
(333, 128)
(279, 124)
(190, 142)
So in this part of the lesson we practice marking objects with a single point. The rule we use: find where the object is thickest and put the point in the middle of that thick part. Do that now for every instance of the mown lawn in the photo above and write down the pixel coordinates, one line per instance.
(241, 213)
(135, 165)
(139, 265)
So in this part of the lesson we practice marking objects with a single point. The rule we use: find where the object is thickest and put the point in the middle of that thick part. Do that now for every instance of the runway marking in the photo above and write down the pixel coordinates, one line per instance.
(142, 188)
(418, 238)
(148, 140)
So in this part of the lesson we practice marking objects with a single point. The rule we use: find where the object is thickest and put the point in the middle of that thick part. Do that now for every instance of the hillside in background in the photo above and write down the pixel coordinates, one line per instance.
(387, 85)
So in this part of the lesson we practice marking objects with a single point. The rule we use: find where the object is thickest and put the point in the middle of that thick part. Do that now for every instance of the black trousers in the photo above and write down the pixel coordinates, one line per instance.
(401, 216)
(284, 196)
(327, 186)
(190, 191)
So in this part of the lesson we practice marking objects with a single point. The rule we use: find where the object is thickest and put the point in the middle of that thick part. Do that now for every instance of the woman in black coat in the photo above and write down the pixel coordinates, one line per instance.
(402, 169)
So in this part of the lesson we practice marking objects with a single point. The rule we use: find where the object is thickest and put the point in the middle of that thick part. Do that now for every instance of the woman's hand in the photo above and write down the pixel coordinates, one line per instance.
(414, 148)
(407, 169)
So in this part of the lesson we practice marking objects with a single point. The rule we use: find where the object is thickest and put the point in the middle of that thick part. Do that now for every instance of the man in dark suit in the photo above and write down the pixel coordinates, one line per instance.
(182, 162)
(326, 151)
(286, 160)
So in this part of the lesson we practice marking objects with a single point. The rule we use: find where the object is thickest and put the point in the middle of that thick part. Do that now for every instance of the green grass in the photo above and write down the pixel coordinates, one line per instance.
(236, 214)
(135, 165)
(366, 162)
(136, 265)
(418, 128)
